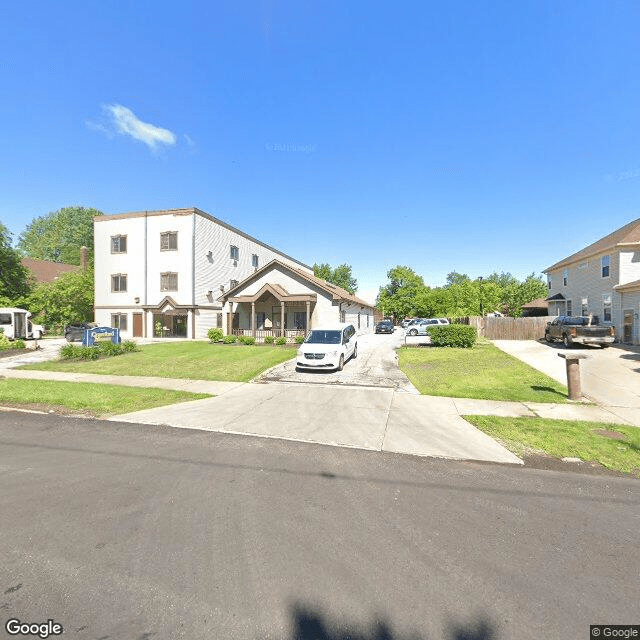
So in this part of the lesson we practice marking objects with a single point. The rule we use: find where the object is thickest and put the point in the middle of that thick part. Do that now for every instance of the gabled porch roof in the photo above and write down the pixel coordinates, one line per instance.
(167, 304)
(278, 292)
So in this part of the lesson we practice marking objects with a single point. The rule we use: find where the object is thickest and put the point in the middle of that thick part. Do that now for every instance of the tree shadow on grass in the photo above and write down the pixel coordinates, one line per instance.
(536, 387)
(309, 624)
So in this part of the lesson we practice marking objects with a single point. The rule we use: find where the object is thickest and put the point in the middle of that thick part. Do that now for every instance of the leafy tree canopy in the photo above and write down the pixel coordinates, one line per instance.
(14, 278)
(67, 299)
(59, 235)
(398, 297)
(341, 275)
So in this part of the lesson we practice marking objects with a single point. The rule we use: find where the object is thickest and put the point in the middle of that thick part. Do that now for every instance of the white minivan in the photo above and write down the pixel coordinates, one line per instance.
(328, 347)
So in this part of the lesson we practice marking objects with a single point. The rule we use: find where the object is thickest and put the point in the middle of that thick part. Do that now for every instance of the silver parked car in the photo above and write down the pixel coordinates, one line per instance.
(422, 328)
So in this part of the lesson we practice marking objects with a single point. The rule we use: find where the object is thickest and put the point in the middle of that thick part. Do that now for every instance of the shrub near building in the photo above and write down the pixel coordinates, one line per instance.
(453, 335)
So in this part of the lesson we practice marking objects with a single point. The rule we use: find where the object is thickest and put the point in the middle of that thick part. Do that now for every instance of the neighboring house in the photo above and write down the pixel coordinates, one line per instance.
(537, 307)
(161, 273)
(46, 270)
(281, 299)
(602, 279)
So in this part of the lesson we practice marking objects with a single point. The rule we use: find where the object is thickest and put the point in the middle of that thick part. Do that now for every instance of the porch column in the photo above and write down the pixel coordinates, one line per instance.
(282, 318)
(308, 315)
(253, 319)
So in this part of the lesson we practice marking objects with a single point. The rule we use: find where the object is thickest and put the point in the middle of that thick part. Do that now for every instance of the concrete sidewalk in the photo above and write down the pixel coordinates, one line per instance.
(360, 417)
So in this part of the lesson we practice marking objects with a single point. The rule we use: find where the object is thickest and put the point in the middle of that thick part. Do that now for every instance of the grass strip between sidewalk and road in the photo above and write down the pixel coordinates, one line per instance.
(614, 446)
(186, 360)
(100, 400)
(483, 372)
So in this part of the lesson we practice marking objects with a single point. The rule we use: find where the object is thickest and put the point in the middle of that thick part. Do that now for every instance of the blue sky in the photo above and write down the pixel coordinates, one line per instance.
(467, 136)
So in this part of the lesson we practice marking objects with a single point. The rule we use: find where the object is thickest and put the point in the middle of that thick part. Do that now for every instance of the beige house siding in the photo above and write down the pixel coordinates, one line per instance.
(629, 266)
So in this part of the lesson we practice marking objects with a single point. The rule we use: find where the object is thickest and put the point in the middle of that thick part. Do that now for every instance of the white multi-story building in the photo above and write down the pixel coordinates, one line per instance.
(602, 279)
(169, 273)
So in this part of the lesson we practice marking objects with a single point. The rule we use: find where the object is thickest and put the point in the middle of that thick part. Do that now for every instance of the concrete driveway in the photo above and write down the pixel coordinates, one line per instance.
(48, 350)
(375, 366)
(610, 376)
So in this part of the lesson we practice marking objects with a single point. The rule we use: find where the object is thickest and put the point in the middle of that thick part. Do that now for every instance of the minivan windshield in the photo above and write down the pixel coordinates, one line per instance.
(324, 337)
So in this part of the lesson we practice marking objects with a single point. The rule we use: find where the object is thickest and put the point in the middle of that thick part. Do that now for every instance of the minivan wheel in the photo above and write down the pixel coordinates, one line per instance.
(341, 363)
(413, 332)
(548, 338)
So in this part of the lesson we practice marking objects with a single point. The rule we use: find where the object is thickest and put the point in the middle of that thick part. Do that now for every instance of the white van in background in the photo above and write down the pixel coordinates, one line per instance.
(16, 324)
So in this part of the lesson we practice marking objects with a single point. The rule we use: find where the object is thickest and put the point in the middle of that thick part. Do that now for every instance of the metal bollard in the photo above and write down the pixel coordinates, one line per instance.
(573, 373)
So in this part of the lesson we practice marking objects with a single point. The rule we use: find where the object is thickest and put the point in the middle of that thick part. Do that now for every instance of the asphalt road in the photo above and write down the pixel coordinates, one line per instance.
(375, 366)
(120, 531)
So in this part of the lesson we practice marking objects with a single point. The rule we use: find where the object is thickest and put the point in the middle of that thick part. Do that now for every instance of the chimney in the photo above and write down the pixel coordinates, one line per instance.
(84, 258)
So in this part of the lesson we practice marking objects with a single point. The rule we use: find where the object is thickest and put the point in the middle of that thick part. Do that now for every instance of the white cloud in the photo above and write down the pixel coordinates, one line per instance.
(127, 123)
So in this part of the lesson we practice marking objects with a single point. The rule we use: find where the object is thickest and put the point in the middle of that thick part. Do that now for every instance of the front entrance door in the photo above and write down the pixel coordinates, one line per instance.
(137, 325)
(627, 334)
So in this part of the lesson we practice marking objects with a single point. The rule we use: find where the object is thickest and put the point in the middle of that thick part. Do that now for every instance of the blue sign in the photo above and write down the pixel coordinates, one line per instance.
(100, 334)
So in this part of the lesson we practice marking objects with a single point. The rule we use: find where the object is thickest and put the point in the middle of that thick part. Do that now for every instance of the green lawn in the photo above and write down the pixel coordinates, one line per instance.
(567, 439)
(482, 372)
(93, 399)
(192, 360)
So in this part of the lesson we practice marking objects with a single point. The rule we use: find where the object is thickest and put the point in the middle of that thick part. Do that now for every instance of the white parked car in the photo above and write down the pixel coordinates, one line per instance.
(328, 347)
(422, 328)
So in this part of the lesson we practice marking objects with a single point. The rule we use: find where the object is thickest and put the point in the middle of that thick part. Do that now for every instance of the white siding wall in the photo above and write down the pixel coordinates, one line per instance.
(351, 315)
(629, 266)
(630, 301)
(197, 273)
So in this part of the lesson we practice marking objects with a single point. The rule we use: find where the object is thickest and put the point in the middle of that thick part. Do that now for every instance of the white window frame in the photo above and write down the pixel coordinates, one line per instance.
(165, 240)
(166, 276)
(255, 261)
(120, 277)
(604, 266)
(606, 304)
(584, 307)
(234, 252)
(119, 238)
(565, 278)
(569, 307)
(116, 321)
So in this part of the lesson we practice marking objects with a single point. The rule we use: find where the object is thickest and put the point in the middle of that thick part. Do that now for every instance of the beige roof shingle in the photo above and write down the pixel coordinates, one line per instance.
(629, 234)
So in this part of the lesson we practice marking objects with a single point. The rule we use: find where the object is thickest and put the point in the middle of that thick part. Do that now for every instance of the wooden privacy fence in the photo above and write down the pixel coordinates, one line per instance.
(508, 328)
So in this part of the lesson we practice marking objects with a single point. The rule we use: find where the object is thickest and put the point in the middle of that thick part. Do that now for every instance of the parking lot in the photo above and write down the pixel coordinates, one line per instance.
(375, 366)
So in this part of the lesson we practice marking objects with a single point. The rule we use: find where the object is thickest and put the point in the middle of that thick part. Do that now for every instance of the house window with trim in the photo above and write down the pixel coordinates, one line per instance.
(218, 319)
(118, 282)
(254, 261)
(606, 307)
(168, 281)
(604, 261)
(118, 244)
(119, 321)
(234, 283)
(565, 279)
(234, 253)
(549, 282)
(261, 317)
(569, 308)
(584, 311)
(169, 241)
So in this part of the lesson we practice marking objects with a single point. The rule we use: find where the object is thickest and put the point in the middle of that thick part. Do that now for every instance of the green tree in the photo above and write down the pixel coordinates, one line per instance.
(59, 235)
(519, 293)
(398, 297)
(457, 278)
(341, 275)
(14, 278)
(69, 298)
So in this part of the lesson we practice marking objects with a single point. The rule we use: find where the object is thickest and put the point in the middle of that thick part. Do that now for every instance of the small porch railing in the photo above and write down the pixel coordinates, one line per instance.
(261, 334)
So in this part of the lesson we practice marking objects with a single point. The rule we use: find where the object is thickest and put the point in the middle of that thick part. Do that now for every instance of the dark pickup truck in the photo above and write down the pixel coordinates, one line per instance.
(579, 330)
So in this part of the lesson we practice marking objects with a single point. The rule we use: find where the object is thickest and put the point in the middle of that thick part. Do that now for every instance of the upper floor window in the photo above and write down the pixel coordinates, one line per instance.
(254, 261)
(565, 278)
(118, 244)
(168, 282)
(235, 253)
(549, 282)
(119, 282)
(234, 283)
(169, 241)
(605, 266)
